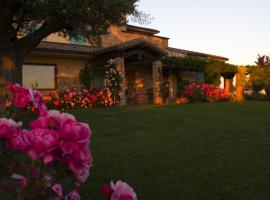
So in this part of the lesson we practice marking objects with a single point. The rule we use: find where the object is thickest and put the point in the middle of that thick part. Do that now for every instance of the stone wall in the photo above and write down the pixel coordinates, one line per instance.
(117, 35)
(67, 70)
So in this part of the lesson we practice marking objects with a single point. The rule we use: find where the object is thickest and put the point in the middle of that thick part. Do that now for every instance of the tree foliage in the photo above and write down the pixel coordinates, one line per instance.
(260, 75)
(70, 17)
(24, 23)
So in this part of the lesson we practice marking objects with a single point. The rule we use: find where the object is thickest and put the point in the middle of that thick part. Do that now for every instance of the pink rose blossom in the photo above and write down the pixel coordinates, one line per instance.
(42, 110)
(19, 141)
(122, 191)
(126, 197)
(13, 87)
(42, 144)
(22, 180)
(106, 190)
(22, 98)
(52, 120)
(37, 98)
(80, 163)
(74, 135)
(58, 189)
(73, 196)
(47, 177)
(7, 127)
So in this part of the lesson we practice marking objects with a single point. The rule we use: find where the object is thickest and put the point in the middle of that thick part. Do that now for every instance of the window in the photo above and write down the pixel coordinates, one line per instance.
(200, 77)
(39, 76)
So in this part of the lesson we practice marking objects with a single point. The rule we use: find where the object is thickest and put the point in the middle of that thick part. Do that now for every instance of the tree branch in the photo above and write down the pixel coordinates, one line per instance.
(26, 44)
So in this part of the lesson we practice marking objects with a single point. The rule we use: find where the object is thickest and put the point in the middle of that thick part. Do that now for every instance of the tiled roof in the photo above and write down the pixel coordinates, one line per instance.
(142, 29)
(194, 53)
(63, 48)
(83, 50)
(133, 44)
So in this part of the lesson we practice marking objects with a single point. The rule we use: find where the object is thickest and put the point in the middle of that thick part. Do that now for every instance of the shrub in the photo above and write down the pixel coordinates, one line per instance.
(51, 158)
(257, 97)
(113, 81)
(85, 99)
(197, 92)
(260, 75)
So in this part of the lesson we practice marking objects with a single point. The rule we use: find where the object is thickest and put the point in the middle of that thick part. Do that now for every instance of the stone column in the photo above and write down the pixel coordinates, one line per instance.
(241, 81)
(172, 84)
(157, 81)
(120, 66)
(239, 95)
(227, 85)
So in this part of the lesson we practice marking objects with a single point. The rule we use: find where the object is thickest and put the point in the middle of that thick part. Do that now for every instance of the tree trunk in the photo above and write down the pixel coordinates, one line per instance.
(10, 67)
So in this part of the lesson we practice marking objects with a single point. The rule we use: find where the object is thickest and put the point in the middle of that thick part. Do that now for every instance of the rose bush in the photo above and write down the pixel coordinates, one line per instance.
(201, 92)
(54, 144)
(48, 158)
(94, 97)
(114, 81)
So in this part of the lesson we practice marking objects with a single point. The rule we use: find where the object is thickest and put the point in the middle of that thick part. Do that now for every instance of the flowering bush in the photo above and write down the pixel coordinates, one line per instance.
(201, 92)
(113, 80)
(50, 157)
(94, 97)
(54, 147)
(17, 98)
(118, 191)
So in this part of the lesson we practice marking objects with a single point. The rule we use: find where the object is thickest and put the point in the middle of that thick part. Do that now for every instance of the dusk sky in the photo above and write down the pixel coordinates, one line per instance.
(237, 29)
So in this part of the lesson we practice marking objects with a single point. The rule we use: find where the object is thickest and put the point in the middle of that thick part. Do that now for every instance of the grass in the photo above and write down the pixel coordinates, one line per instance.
(189, 152)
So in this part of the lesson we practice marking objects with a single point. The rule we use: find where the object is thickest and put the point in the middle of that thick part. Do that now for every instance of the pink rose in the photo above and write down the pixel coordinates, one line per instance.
(8, 127)
(19, 141)
(58, 189)
(42, 143)
(42, 110)
(13, 87)
(37, 98)
(106, 190)
(53, 119)
(73, 196)
(47, 177)
(126, 197)
(22, 180)
(22, 98)
(122, 191)
(74, 135)
(79, 163)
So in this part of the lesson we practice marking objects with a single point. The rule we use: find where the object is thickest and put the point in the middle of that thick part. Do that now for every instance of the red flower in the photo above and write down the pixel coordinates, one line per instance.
(56, 103)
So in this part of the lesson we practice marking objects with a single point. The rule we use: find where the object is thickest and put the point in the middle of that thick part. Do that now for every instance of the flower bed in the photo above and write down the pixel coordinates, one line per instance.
(201, 92)
(95, 97)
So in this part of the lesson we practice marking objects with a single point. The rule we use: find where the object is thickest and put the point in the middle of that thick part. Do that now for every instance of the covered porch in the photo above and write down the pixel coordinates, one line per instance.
(141, 69)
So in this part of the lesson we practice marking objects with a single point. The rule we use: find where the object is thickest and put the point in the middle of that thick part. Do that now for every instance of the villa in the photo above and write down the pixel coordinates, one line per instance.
(55, 64)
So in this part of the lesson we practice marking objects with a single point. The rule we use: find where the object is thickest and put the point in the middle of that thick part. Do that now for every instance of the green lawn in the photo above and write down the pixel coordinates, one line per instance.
(189, 152)
(192, 151)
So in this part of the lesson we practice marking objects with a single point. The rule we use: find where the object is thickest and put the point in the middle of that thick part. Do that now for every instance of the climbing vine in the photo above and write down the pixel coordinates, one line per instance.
(211, 68)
